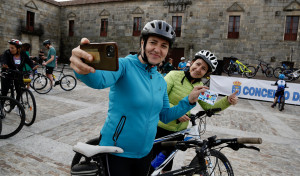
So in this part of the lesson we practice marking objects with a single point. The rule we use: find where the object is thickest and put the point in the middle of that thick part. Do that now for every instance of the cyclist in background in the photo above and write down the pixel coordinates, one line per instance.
(50, 60)
(179, 85)
(14, 59)
(182, 64)
(281, 85)
(137, 100)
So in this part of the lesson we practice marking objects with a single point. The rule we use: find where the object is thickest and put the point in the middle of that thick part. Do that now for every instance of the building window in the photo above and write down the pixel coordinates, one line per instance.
(137, 26)
(234, 27)
(176, 24)
(30, 21)
(103, 28)
(291, 28)
(71, 28)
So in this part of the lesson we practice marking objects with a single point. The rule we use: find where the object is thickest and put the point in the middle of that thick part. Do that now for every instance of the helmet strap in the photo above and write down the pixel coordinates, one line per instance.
(144, 56)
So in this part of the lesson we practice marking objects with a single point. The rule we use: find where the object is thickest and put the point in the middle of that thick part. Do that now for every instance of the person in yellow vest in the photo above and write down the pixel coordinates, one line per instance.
(179, 85)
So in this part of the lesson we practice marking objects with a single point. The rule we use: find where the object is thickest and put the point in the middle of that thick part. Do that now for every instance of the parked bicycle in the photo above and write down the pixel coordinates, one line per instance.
(266, 69)
(291, 75)
(27, 99)
(10, 122)
(90, 157)
(237, 66)
(284, 69)
(42, 83)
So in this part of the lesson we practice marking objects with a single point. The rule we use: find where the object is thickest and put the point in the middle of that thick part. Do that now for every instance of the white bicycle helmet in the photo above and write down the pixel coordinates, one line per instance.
(182, 58)
(209, 58)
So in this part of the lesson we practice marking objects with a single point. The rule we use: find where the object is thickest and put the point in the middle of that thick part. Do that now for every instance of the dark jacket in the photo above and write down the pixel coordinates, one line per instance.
(7, 58)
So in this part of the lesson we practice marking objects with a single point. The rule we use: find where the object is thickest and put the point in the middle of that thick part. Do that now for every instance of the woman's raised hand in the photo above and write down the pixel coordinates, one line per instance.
(76, 62)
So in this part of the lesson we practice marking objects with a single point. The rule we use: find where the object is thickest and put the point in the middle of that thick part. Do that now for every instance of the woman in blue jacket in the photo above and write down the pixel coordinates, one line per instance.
(138, 99)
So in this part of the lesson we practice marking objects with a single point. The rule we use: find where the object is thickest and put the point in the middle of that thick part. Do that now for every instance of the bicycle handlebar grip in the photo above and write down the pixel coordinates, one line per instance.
(169, 143)
(249, 140)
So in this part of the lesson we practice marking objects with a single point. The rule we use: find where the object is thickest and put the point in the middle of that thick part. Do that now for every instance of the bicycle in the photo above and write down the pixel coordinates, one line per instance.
(42, 84)
(27, 99)
(10, 123)
(284, 69)
(280, 100)
(265, 68)
(237, 66)
(291, 75)
(90, 159)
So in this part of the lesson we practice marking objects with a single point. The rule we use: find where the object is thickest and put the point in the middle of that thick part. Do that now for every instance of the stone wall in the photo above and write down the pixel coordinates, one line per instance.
(13, 22)
(204, 25)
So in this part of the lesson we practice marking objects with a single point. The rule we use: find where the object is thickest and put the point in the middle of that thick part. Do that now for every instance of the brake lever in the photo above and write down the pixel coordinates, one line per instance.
(237, 146)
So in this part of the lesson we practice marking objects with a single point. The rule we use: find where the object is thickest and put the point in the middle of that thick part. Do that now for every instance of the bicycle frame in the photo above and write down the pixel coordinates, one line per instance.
(191, 133)
(242, 67)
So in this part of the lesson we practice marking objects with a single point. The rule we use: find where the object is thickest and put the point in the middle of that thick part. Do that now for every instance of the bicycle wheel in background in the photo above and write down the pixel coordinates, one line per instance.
(68, 82)
(277, 71)
(28, 103)
(225, 67)
(12, 122)
(42, 84)
(250, 71)
(217, 164)
(231, 69)
(269, 72)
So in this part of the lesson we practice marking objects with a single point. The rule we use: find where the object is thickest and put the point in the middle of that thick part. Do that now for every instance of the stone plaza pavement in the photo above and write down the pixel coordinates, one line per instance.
(65, 118)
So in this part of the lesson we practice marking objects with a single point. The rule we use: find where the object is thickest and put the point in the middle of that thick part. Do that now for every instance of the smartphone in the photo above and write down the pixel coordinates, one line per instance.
(105, 55)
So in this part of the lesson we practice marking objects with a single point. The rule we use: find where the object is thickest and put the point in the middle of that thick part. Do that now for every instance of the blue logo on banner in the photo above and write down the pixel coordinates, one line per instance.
(237, 87)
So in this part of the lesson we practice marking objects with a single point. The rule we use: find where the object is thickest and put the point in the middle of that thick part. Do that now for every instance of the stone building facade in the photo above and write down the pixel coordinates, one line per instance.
(262, 25)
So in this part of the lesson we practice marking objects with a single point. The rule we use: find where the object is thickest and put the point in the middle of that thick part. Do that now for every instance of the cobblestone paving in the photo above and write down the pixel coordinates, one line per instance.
(65, 118)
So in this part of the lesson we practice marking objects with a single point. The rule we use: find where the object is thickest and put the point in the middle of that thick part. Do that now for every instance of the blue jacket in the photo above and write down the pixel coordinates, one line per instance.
(138, 99)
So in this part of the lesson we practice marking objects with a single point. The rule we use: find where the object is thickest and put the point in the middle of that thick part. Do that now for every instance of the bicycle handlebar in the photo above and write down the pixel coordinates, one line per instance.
(249, 140)
(209, 113)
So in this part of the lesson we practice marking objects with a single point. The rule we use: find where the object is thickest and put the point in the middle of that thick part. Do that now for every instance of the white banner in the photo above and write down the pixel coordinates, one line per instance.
(253, 88)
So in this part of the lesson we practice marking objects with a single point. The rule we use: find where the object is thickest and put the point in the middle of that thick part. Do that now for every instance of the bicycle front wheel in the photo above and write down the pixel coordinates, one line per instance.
(12, 122)
(269, 72)
(250, 71)
(277, 71)
(217, 164)
(42, 84)
(281, 103)
(68, 82)
(29, 105)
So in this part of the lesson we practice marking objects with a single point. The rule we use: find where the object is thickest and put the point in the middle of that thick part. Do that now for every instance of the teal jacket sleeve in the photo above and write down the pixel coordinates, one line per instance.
(169, 114)
(102, 79)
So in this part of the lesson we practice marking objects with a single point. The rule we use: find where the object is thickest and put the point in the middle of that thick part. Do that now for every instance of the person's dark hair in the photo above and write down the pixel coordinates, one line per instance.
(47, 42)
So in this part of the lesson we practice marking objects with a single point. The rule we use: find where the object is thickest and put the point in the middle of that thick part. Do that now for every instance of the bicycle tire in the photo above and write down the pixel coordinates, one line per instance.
(281, 103)
(68, 82)
(225, 68)
(277, 71)
(7, 107)
(213, 161)
(29, 105)
(8, 119)
(231, 70)
(250, 71)
(269, 72)
(42, 84)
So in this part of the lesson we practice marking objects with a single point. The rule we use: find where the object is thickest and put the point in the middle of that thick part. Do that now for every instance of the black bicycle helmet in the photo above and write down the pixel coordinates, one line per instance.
(15, 42)
(209, 58)
(46, 42)
(157, 28)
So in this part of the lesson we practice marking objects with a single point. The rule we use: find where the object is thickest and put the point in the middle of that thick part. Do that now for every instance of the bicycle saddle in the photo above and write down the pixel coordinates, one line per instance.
(91, 150)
